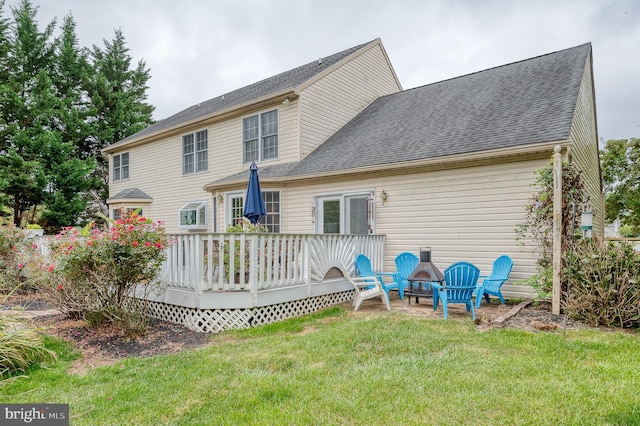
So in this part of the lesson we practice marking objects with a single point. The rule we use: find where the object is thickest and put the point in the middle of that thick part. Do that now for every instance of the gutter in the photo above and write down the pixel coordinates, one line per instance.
(220, 114)
(458, 159)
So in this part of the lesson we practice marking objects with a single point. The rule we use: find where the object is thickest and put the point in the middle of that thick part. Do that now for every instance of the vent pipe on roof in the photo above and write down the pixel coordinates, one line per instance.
(319, 61)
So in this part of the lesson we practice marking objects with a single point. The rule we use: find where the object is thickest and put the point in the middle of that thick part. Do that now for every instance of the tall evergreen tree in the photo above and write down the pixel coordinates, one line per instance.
(118, 95)
(71, 76)
(26, 108)
(5, 46)
(44, 104)
(60, 104)
(69, 163)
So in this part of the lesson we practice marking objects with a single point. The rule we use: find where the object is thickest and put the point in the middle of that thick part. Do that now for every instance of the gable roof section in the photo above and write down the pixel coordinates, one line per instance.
(133, 194)
(527, 102)
(272, 85)
(519, 104)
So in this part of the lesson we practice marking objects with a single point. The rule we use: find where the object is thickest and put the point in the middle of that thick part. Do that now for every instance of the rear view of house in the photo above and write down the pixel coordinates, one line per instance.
(343, 149)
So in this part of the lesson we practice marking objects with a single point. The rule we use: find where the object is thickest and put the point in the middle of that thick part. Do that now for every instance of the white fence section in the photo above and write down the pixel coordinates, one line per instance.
(635, 242)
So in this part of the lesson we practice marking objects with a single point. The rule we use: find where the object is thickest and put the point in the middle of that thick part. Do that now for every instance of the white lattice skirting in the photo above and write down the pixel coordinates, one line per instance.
(217, 320)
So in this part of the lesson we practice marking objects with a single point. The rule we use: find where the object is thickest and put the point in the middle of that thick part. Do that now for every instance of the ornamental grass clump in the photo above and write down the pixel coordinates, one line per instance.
(97, 274)
(20, 348)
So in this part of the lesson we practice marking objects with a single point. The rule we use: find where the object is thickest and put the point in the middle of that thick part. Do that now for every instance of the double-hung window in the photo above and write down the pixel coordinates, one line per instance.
(120, 166)
(272, 204)
(235, 209)
(195, 152)
(260, 137)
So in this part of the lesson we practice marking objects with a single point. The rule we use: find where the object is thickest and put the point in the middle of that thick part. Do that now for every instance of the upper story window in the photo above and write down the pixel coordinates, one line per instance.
(195, 152)
(260, 137)
(120, 166)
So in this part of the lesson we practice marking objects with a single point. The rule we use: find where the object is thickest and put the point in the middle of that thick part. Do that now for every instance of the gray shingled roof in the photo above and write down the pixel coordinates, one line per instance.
(286, 80)
(274, 171)
(131, 193)
(526, 102)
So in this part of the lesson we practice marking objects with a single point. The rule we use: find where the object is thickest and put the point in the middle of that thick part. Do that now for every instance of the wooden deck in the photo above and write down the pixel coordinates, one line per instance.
(228, 270)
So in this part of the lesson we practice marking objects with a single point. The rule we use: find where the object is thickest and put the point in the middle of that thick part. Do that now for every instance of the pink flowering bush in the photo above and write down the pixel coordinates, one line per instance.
(96, 274)
(18, 254)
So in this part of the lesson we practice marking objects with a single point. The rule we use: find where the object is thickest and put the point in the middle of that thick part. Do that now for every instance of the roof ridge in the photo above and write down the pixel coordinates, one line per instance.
(493, 68)
(276, 76)
(286, 80)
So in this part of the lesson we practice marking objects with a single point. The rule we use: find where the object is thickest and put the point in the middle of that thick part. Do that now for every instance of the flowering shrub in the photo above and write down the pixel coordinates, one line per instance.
(17, 255)
(96, 273)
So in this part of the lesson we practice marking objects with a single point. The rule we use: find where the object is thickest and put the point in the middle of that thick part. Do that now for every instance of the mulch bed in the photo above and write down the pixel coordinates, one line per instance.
(538, 317)
(161, 338)
(106, 344)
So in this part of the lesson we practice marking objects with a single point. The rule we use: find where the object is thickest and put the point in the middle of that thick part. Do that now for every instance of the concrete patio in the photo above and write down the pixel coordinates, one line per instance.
(493, 314)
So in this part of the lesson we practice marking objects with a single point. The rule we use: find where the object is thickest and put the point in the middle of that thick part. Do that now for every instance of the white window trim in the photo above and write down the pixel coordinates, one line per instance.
(201, 208)
(228, 206)
(260, 136)
(113, 169)
(126, 209)
(279, 192)
(194, 153)
(344, 208)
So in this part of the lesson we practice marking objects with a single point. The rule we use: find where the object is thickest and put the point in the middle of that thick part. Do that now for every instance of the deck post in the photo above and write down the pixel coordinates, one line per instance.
(306, 264)
(557, 231)
(253, 269)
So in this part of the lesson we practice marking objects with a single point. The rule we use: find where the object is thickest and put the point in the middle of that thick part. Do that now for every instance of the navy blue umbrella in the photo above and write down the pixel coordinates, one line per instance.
(254, 208)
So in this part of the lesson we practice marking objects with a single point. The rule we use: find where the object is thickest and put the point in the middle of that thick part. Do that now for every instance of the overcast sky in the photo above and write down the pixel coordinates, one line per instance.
(199, 49)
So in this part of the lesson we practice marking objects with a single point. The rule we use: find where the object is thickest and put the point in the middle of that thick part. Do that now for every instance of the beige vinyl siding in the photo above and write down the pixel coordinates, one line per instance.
(164, 181)
(329, 103)
(156, 168)
(462, 214)
(584, 149)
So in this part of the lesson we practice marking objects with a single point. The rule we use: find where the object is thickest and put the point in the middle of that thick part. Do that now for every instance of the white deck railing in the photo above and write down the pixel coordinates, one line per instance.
(255, 262)
(243, 270)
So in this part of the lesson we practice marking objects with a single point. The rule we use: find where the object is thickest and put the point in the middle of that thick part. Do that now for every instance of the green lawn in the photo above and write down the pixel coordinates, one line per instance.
(332, 369)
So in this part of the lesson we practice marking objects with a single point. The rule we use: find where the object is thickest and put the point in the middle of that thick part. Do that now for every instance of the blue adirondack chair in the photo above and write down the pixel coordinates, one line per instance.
(363, 266)
(405, 264)
(461, 279)
(491, 284)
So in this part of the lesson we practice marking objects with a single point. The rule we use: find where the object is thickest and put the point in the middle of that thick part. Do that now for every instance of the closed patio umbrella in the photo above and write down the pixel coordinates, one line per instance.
(254, 208)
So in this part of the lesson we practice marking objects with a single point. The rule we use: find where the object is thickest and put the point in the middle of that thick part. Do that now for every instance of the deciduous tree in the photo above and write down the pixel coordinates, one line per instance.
(620, 161)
